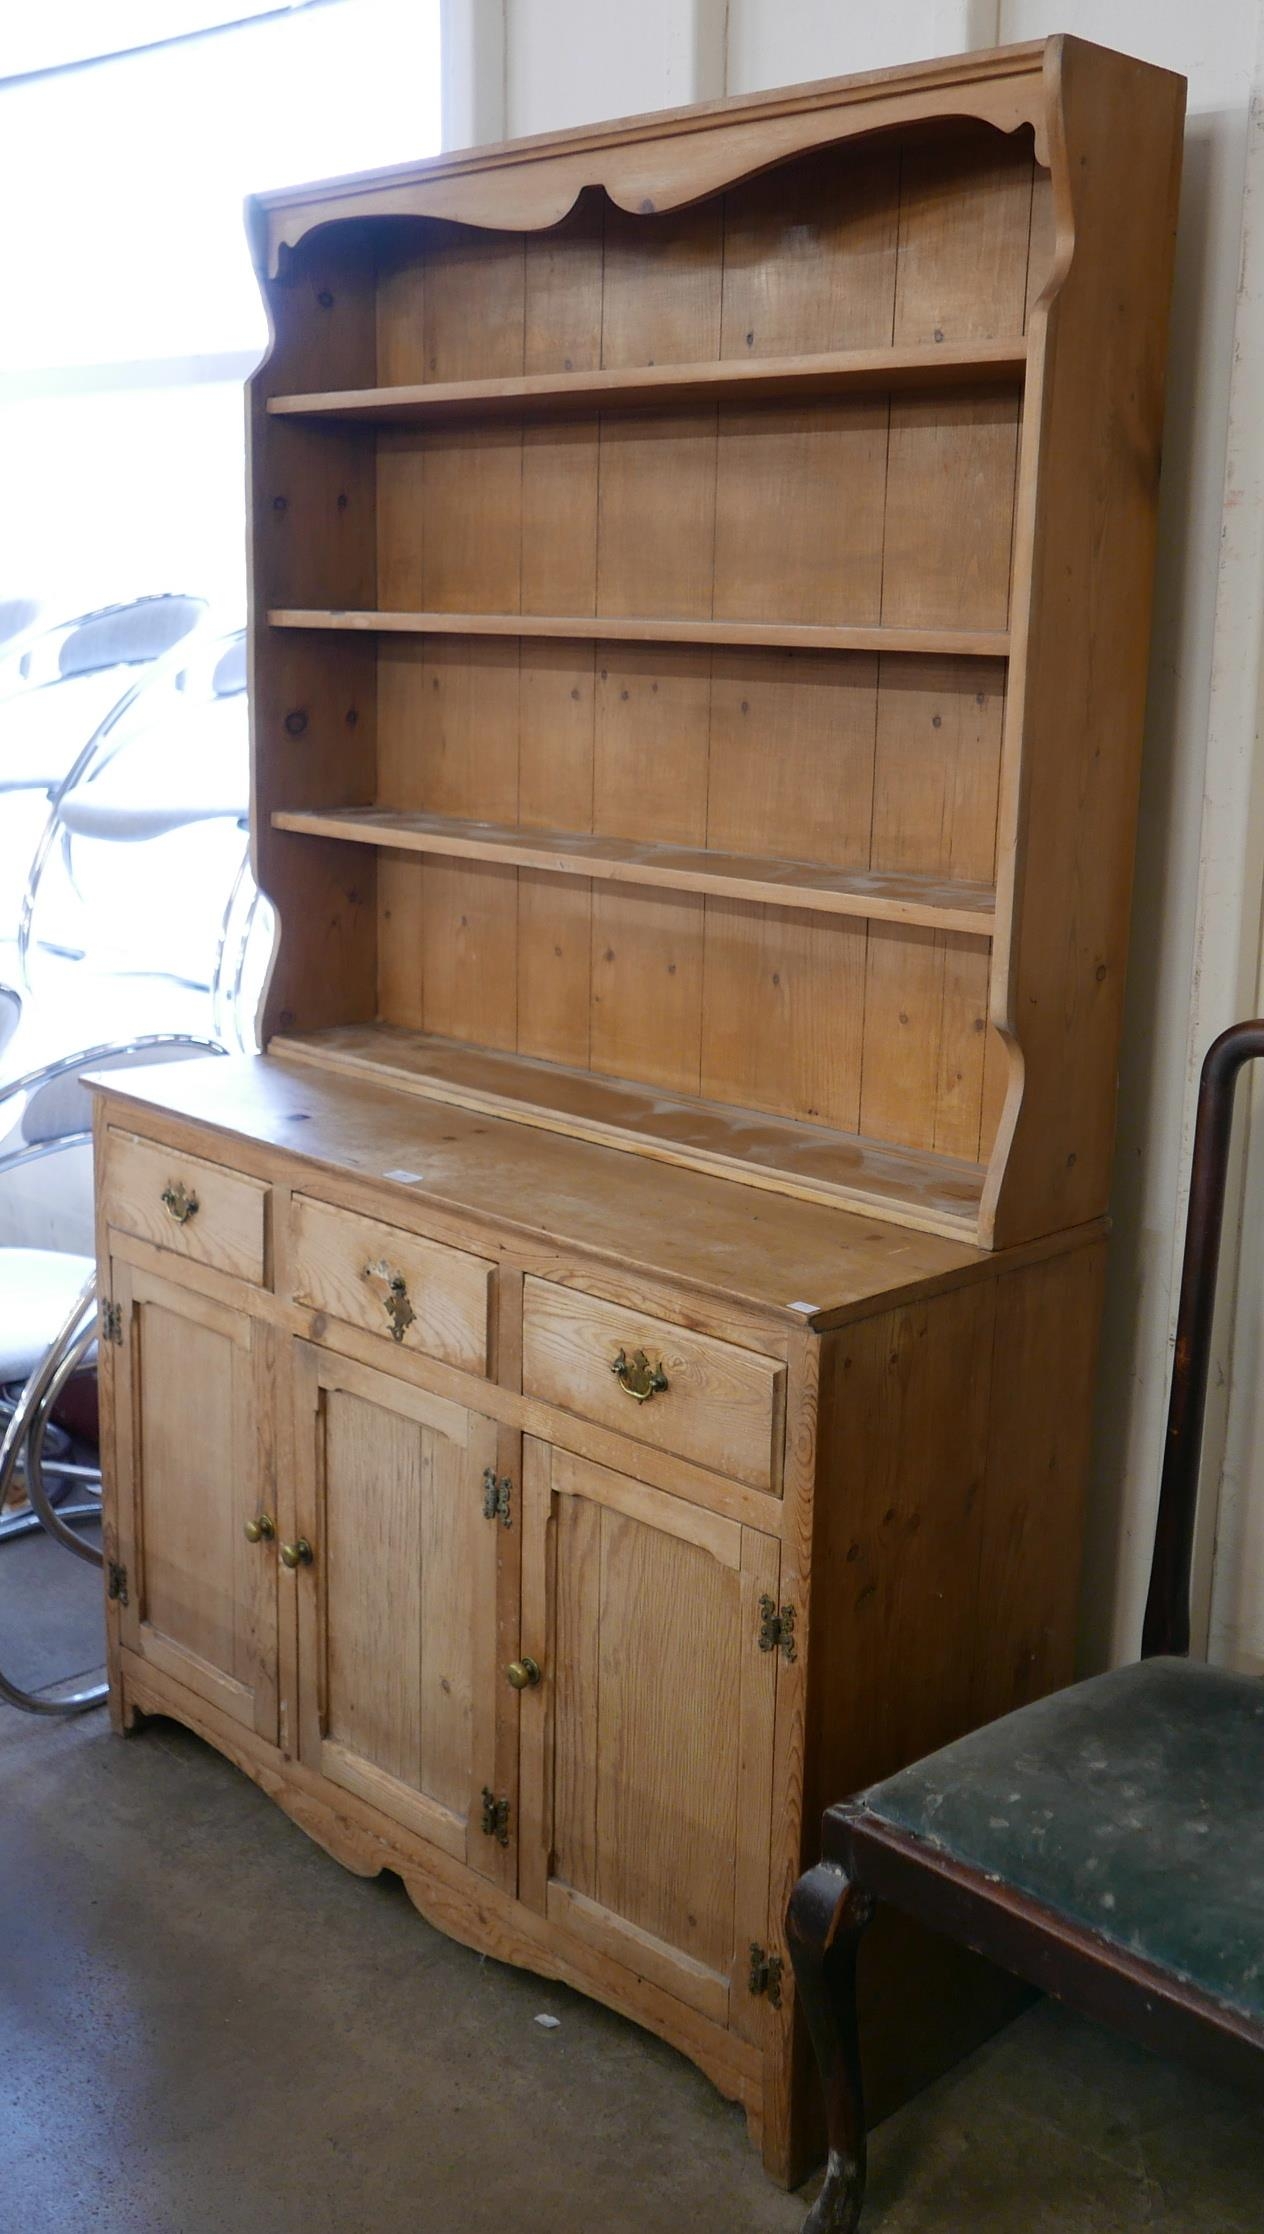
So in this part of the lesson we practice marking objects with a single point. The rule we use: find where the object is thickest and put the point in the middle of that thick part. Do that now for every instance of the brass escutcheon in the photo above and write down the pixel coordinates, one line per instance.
(395, 1301)
(177, 1199)
(637, 1376)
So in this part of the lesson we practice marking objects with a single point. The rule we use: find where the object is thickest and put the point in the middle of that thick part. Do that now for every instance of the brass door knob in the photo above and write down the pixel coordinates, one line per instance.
(523, 1673)
(261, 1529)
(297, 1555)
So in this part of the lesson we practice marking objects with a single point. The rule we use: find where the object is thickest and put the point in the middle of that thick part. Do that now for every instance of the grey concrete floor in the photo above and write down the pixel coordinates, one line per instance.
(206, 2025)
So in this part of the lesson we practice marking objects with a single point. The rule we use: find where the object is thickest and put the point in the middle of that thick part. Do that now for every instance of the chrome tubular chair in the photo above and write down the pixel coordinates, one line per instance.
(48, 1321)
(58, 686)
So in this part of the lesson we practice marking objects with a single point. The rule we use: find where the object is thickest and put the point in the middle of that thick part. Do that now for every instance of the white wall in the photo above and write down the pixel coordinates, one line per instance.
(1196, 930)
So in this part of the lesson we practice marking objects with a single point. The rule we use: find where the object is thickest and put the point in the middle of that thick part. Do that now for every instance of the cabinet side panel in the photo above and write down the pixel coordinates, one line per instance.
(1044, 1363)
(1083, 579)
(312, 538)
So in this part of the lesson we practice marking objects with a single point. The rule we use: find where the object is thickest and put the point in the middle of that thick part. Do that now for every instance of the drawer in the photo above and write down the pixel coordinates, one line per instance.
(702, 1399)
(419, 1294)
(177, 1202)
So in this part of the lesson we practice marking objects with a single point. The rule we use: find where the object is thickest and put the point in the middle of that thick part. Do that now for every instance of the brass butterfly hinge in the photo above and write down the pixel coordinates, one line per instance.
(776, 1629)
(116, 1582)
(497, 1490)
(111, 1321)
(495, 1817)
(765, 1973)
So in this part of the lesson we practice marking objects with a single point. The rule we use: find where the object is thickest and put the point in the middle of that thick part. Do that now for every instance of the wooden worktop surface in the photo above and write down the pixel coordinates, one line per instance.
(815, 1265)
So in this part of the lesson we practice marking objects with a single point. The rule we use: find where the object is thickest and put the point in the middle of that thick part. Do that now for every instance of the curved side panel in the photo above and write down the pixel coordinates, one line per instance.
(1085, 550)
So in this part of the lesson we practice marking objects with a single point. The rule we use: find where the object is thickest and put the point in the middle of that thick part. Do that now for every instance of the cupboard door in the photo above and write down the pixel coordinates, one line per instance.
(397, 1607)
(195, 1466)
(647, 1744)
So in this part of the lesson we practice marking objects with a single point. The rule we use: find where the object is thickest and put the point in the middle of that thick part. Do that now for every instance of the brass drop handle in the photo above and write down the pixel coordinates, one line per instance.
(395, 1299)
(296, 1555)
(637, 1377)
(523, 1673)
(261, 1529)
(177, 1199)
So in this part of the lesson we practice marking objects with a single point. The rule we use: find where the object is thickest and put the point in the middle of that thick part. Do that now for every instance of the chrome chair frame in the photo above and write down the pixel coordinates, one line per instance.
(94, 757)
(30, 1419)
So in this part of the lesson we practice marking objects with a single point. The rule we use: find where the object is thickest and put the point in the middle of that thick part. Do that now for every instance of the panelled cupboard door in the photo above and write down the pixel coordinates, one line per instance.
(195, 1468)
(398, 1684)
(647, 1744)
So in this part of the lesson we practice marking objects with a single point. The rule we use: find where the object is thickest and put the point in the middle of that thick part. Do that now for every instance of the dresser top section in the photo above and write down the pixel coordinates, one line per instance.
(800, 1260)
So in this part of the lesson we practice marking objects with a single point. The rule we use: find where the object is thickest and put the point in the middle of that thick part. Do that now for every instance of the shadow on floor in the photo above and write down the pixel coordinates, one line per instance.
(206, 2025)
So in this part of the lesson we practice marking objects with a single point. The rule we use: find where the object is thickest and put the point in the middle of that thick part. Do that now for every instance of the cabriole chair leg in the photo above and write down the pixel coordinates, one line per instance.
(827, 1916)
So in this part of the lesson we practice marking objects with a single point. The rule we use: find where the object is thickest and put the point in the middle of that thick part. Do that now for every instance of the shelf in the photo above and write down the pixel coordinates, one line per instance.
(903, 1186)
(758, 379)
(936, 902)
(590, 628)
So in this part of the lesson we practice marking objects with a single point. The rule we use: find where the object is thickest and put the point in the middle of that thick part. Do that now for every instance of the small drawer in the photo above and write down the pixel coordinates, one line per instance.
(177, 1202)
(419, 1294)
(704, 1400)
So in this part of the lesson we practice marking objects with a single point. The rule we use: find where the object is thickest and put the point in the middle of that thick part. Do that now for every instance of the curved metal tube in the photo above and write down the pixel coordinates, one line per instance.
(65, 1343)
(37, 1495)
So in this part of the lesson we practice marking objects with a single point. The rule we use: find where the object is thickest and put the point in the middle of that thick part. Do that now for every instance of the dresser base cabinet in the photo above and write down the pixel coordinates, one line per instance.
(582, 1672)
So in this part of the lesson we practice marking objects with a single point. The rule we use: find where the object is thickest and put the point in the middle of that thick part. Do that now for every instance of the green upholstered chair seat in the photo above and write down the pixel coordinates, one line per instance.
(1132, 1804)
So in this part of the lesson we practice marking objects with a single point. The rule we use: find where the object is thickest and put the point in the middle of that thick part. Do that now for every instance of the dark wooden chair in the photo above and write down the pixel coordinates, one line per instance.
(1105, 1843)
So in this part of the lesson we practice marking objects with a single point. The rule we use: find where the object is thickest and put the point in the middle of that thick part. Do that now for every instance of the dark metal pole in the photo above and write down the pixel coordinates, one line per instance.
(1167, 1607)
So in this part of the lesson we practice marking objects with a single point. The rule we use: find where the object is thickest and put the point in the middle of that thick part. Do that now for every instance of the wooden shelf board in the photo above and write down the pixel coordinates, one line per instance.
(641, 629)
(768, 378)
(880, 896)
(904, 1186)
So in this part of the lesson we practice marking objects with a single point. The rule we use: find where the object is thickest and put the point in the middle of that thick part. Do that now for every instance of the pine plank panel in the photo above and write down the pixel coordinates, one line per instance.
(563, 292)
(661, 286)
(472, 538)
(949, 512)
(784, 997)
(469, 918)
(575, 1673)
(647, 985)
(963, 1028)
(791, 759)
(810, 256)
(1039, 1440)
(965, 214)
(374, 1463)
(651, 748)
(667, 1766)
(557, 714)
(937, 767)
(559, 516)
(473, 303)
(448, 717)
(656, 516)
(923, 1035)
(799, 512)
(554, 967)
(401, 989)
